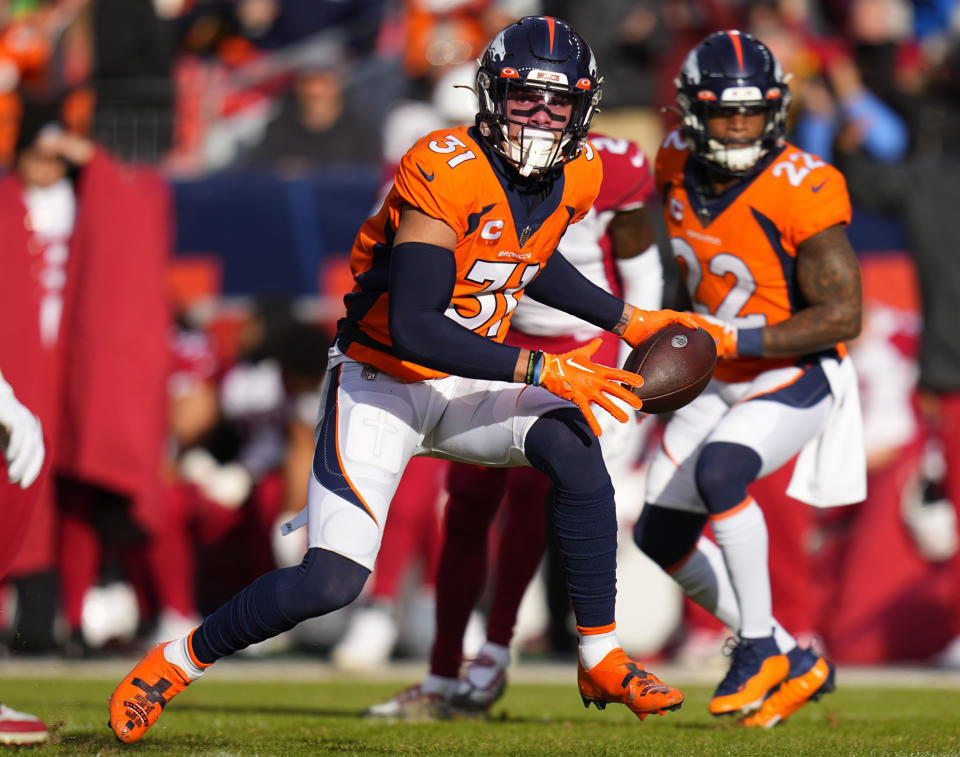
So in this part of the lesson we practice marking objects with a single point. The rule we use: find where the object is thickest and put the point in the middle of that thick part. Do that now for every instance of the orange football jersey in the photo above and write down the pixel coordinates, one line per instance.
(448, 176)
(738, 253)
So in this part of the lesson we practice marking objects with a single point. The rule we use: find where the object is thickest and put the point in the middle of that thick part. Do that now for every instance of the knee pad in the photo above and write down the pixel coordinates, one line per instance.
(322, 583)
(667, 536)
(562, 445)
(723, 472)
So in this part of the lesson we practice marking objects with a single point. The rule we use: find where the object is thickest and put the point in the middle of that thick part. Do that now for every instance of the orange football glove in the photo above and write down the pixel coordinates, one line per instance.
(723, 333)
(575, 377)
(644, 323)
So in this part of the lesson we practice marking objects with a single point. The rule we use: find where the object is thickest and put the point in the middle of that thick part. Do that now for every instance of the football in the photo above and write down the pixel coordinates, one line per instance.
(676, 363)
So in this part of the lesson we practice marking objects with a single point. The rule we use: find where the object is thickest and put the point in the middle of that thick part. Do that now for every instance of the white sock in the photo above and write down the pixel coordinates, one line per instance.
(785, 642)
(178, 653)
(704, 578)
(595, 646)
(742, 537)
(434, 684)
(482, 675)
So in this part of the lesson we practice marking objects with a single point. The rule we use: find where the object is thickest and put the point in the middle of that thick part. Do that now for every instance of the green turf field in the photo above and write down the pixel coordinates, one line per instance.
(272, 717)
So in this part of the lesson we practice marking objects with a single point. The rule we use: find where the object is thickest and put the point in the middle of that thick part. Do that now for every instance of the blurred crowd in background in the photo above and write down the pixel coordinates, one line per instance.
(240, 144)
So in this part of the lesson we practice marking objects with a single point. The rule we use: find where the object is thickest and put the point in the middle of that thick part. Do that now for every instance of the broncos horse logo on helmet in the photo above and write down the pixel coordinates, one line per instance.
(731, 70)
(544, 57)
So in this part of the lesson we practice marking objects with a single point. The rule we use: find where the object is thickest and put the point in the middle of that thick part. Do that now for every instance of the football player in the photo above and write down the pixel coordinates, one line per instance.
(419, 368)
(614, 247)
(757, 227)
(22, 448)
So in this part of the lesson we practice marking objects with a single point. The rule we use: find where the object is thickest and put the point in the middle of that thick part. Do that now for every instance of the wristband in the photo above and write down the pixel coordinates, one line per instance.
(750, 342)
(534, 364)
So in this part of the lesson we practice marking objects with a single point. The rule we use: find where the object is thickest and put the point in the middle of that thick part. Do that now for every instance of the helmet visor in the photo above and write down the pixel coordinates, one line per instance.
(525, 104)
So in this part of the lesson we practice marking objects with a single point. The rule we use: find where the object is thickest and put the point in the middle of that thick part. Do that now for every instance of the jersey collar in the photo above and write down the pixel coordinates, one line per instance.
(531, 202)
(707, 208)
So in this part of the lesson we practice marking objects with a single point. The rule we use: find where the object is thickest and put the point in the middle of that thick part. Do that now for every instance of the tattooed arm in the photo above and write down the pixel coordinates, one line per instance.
(828, 275)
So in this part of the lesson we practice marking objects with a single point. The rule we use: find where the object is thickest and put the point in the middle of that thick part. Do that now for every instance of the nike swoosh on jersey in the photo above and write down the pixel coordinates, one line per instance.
(427, 176)
(819, 186)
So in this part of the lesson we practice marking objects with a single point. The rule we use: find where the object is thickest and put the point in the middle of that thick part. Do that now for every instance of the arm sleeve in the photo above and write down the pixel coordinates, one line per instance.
(560, 285)
(422, 278)
(642, 278)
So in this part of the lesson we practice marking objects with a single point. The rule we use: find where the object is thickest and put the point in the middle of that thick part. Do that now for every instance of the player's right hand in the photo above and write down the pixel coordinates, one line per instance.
(22, 440)
(575, 377)
(643, 323)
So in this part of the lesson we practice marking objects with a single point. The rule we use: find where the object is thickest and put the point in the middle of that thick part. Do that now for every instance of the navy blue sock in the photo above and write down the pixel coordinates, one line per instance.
(561, 445)
(277, 601)
(667, 536)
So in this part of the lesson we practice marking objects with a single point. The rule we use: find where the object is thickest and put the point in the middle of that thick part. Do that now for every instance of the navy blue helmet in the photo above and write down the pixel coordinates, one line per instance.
(731, 70)
(544, 55)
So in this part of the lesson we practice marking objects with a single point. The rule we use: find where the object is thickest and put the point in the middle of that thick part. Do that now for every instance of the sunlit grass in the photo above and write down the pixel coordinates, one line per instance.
(273, 717)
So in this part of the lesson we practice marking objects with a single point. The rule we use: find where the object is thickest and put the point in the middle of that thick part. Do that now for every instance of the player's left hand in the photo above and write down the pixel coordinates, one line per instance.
(722, 332)
(644, 323)
(575, 377)
(22, 442)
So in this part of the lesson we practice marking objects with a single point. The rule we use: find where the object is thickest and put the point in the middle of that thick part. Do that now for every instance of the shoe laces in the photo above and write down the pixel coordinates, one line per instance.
(745, 659)
(730, 645)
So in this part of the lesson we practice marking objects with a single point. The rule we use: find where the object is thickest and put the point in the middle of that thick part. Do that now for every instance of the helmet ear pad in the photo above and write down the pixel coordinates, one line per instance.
(546, 55)
(731, 69)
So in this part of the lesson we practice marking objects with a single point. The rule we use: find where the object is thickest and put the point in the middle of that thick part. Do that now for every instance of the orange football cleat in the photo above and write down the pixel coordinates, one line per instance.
(809, 680)
(756, 667)
(138, 701)
(617, 678)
